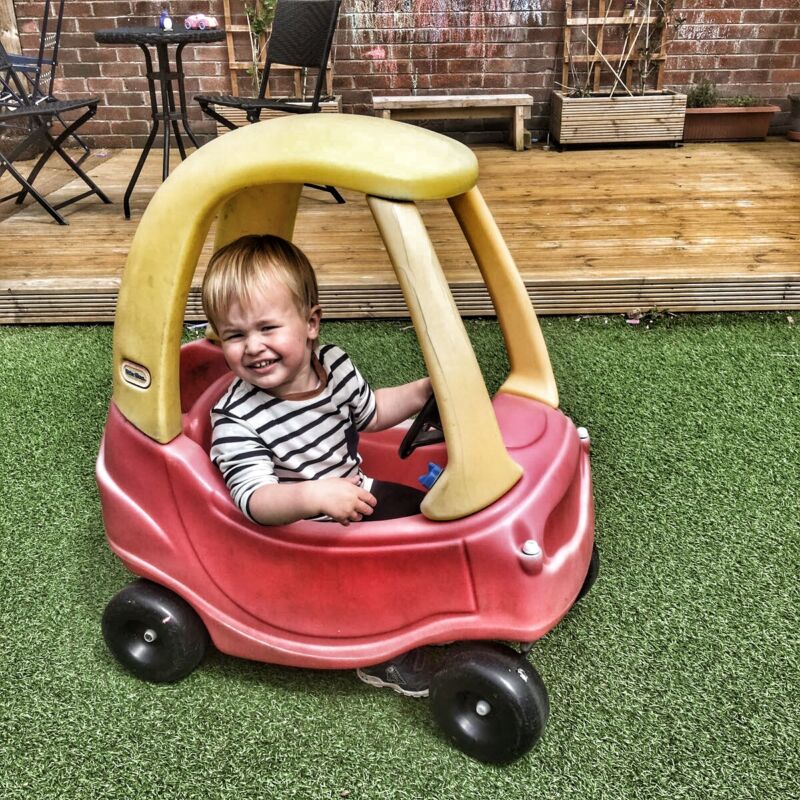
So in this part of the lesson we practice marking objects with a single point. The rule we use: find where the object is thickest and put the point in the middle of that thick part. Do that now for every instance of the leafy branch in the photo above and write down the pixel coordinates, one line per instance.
(648, 27)
(259, 22)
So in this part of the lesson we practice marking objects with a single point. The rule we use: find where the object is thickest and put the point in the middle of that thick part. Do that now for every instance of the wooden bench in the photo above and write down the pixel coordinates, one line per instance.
(514, 107)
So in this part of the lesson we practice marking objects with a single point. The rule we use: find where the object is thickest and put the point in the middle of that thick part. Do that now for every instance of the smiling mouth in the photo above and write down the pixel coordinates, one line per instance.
(267, 362)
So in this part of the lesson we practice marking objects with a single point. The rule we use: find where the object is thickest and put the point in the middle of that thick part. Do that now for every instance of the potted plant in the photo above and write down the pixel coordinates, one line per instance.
(711, 118)
(612, 75)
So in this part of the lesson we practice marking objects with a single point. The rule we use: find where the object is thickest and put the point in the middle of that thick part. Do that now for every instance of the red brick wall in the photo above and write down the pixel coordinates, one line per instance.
(744, 46)
(449, 46)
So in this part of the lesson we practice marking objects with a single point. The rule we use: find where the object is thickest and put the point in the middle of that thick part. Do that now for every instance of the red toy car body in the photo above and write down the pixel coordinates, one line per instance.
(175, 523)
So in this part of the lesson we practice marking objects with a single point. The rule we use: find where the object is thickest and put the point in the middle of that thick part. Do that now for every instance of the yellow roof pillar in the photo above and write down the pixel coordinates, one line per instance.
(531, 373)
(479, 469)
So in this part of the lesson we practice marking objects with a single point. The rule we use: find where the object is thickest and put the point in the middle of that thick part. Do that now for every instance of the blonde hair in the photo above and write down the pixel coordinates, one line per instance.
(248, 266)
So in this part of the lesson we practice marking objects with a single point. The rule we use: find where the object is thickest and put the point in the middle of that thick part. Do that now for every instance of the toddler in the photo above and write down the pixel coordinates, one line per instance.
(285, 434)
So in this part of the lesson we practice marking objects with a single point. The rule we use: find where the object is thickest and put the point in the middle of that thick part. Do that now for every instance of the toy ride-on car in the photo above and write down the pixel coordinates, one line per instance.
(504, 544)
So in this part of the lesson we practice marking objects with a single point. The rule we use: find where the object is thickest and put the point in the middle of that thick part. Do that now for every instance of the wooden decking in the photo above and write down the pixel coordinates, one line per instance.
(700, 227)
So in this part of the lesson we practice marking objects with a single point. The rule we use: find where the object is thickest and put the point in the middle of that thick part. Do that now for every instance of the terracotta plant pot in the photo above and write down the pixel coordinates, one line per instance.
(793, 133)
(727, 123)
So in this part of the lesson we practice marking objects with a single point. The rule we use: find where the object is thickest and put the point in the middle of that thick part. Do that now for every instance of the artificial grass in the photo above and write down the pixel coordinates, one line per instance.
(677, 677)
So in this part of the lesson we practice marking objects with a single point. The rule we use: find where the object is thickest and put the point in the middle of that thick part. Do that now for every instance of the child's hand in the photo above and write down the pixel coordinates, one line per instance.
(342, 499)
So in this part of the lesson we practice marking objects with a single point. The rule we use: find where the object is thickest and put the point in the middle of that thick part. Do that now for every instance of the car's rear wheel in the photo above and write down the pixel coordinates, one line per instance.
(154, 633)
(490, 702)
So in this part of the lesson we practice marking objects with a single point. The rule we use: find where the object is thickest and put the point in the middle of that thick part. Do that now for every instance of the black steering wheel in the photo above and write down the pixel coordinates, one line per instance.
(425, 429)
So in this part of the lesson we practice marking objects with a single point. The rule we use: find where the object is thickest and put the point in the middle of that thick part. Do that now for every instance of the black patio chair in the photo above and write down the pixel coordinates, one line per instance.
(39, 71)
(302, 36)
(29, 123)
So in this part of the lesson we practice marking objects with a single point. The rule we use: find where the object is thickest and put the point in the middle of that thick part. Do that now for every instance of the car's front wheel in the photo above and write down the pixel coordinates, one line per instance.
(490, 702)
(154, 633)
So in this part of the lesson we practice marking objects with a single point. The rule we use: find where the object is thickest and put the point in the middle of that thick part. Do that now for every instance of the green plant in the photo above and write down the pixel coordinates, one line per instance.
(704, 94)
(742, 101)
(260, 16)
(259, 20)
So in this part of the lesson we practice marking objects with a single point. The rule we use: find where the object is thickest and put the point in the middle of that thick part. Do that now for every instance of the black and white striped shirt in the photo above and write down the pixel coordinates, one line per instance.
(258, 439)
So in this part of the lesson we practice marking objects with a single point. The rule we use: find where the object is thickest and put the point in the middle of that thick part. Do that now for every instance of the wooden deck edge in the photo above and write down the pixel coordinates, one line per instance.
(93, 301)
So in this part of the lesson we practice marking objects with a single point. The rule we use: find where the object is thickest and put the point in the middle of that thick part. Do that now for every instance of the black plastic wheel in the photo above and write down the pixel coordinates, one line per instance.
(154, 633)
(591, 575)
(490, 702)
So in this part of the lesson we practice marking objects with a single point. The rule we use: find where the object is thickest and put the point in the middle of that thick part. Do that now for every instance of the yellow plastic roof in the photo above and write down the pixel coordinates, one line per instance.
(251, 178)
(365, 154)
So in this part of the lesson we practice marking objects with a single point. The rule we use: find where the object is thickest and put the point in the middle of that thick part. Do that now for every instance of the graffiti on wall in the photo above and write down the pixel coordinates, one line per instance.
(400, 36)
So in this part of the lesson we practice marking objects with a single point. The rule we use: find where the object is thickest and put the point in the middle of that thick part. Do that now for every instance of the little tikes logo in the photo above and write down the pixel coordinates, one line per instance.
(135, 374)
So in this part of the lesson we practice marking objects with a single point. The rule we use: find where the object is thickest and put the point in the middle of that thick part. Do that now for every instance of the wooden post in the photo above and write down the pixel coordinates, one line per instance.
(662, 54)
(226, 7)
(567, 43)
(518, 128)
(9, 34)
(601, 12)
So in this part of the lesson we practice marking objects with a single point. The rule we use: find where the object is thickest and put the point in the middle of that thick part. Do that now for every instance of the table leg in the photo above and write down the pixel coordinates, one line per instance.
(168, 112)
(173, 119)
(151, 87)
(167, 102)
(178, 139)
(182, 95)
(126, 204)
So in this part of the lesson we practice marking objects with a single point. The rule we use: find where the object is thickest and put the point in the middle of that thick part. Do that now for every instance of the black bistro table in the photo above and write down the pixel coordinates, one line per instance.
(169, 113)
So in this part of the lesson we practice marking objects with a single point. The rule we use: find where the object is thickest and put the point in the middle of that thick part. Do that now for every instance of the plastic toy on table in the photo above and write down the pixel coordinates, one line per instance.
(504, 545)
(200, 22)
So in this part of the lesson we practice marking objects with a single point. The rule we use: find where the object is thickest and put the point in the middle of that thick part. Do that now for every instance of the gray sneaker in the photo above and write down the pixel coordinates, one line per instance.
(409, 674)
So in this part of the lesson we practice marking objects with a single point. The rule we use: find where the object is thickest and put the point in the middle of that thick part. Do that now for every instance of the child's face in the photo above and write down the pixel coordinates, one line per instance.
(268, 341)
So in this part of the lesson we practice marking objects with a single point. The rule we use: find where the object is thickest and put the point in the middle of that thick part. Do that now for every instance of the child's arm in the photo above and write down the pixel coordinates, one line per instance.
(339, 498)
(397, 403)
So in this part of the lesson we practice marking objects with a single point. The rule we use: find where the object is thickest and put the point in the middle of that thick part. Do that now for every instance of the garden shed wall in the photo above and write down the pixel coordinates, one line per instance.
(425, 46)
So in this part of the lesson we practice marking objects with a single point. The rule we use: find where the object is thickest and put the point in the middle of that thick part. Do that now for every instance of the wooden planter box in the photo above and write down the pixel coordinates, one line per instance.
(650, 117)
(727, 123)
